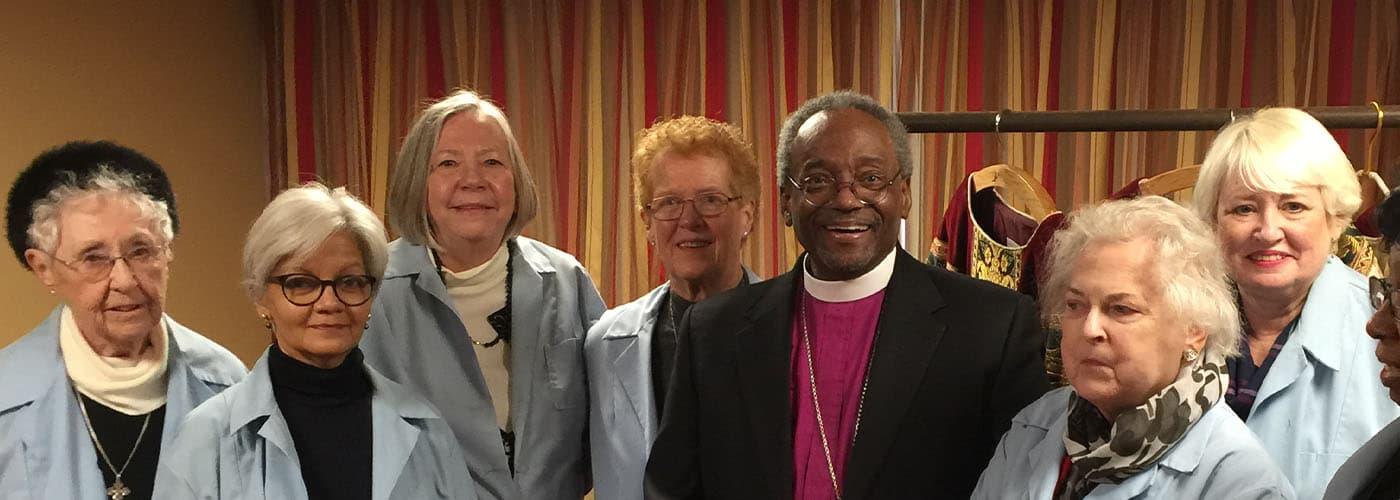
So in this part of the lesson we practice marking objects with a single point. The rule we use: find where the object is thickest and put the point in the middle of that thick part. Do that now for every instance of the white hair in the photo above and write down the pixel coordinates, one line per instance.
(298, 220)
(1190, 268)
(43, 232)
(1279, 150)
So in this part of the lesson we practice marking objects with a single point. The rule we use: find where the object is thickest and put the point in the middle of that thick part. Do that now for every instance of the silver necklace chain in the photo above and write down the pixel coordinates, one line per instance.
(118, 490)
(812, 381)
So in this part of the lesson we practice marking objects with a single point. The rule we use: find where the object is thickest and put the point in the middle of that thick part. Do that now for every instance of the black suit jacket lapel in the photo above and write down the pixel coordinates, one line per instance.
(907, 339)
(763, 350)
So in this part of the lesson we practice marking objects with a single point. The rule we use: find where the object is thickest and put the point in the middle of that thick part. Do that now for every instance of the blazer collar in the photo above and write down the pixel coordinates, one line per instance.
(411, 259)
(908, 334)
(37, 363)
(1332, 294)
(32, 364)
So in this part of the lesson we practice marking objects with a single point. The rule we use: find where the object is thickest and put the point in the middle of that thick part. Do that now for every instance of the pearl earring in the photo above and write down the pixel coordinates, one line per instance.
(267, 322)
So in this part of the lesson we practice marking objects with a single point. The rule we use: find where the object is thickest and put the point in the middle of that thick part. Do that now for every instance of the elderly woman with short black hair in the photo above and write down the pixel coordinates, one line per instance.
(1139, 287)
(313, 420)
(486, 323)
(90, 398)
(1278, 191)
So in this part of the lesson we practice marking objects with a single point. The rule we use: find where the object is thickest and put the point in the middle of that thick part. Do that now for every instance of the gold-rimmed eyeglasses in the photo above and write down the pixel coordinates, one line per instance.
(820, 189)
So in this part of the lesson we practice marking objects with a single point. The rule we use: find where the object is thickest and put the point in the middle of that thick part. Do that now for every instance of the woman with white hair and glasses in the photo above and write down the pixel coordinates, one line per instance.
(1139, 287)
(313, 420)
(488, 324)
(90, 399)
(1279, 191)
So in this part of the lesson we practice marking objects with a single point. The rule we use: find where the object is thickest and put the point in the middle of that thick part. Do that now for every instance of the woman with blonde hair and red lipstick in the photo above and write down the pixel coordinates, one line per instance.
(1278, 191)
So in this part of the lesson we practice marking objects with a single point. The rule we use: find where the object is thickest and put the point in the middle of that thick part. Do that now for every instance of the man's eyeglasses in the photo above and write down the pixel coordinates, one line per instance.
(97, 266)
(304, 289)
(668, 208)
(819, 189)
(1382, 294)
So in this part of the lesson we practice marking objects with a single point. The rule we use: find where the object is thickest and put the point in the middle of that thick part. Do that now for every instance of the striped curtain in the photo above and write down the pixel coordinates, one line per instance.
(971, 55)
(578, 79)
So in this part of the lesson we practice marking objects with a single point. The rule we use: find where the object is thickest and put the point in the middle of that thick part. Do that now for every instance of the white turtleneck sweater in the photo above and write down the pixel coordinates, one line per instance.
(132, 386)
(476, 293)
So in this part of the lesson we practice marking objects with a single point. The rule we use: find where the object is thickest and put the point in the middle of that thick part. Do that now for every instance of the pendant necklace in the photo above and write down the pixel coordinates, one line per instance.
(118, 490)
(816, 404)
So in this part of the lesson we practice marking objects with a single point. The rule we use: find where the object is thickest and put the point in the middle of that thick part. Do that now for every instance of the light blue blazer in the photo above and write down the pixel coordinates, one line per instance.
(416, 338)
(1323, 397)
(237, 446)
(622, 403)
(45, 451)
(1217, 458)
(1363, 465)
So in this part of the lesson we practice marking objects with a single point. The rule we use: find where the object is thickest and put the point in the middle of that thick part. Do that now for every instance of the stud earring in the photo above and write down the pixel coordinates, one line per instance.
(1191, 355)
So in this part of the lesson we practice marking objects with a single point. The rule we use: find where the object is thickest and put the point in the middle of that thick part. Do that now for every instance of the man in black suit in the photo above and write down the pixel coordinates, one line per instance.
(859, 374)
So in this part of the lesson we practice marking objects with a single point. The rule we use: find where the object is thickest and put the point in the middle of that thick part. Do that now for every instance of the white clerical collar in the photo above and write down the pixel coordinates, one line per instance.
(861, 287)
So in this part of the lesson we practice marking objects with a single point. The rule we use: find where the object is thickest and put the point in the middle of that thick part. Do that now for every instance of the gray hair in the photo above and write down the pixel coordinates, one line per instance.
(299, 220)
(1190, 270)
(408, 208)
(43, 232)
(842, 99)
(1277, 150)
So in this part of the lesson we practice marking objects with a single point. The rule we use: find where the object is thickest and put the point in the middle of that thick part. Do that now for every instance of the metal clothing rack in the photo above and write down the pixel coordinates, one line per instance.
(1332, 117)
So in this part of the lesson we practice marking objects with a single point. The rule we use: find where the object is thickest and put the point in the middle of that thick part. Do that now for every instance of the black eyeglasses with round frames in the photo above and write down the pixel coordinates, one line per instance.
(1382, 294)
(668, 208)
(820, 189)
(304, 289)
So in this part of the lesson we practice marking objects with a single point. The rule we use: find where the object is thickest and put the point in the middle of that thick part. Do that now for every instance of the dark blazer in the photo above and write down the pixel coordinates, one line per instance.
(956, 358)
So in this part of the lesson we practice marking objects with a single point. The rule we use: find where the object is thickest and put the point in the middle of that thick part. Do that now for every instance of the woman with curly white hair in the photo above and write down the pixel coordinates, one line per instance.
(1139, 287)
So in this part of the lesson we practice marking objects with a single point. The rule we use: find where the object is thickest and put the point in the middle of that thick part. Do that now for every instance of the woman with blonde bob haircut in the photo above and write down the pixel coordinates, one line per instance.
(486, 323)
(313, 420)
(1278, 191)
(696, 185)
(1139, 287)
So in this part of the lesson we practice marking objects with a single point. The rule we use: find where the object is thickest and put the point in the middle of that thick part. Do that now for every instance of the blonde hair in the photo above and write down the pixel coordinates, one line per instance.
(692, 136)
(1190, 268)
(1278, 150)
(407, 204)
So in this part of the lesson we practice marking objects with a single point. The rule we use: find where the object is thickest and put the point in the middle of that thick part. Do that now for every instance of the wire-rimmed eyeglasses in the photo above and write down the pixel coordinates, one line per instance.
(820, 189)
(667, 208)
(97, 266)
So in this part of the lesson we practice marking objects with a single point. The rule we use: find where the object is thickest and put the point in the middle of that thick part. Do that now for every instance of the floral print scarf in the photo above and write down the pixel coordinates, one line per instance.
(1110, 452)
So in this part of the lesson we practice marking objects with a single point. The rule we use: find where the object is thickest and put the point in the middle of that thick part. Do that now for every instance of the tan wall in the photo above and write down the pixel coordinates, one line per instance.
(181, 81)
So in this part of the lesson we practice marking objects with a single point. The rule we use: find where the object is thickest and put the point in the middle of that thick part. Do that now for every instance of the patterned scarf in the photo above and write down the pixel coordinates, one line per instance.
(1110, 452)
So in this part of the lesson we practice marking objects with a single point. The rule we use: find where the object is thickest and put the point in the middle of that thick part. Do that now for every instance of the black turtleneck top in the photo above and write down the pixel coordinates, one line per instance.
(327, 412)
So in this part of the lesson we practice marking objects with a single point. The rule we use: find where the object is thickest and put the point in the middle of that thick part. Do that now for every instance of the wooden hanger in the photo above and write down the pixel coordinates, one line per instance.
(1170, 181)
(1016, 188)
(1373, 190)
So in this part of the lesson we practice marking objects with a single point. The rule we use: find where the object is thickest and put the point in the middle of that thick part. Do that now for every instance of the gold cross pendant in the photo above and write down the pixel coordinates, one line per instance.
(118, 491)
